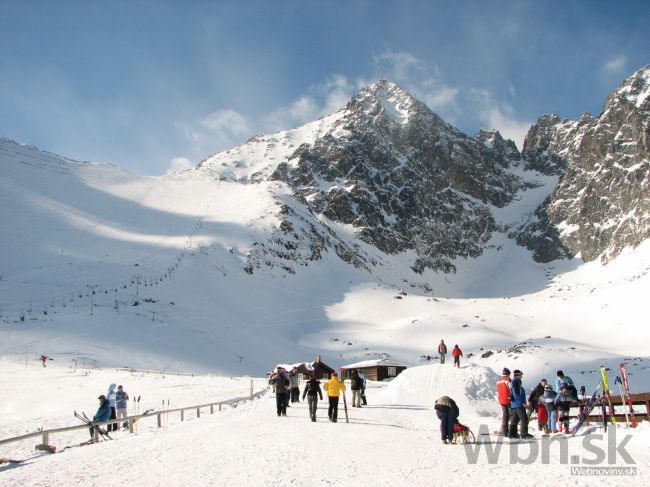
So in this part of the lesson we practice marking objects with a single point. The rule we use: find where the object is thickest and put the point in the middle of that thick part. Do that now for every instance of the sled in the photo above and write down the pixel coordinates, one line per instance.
(462, 434)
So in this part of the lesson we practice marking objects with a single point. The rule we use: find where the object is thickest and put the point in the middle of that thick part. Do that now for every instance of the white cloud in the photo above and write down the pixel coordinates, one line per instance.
(179, 164)
(616, 65)
(500, 116)
(216, 131)
(421, 79)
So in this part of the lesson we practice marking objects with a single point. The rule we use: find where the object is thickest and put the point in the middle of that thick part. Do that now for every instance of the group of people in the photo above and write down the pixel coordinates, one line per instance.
(112, 405)
(456, 352)
(552, 405)
(285, 383)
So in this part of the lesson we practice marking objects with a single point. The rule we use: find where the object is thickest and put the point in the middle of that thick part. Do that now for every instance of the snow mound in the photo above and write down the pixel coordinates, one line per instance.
(424, 384)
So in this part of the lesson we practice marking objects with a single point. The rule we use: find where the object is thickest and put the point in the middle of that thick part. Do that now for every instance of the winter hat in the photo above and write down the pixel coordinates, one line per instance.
(518, 372)
(102, 397)
(560, 373)
(334, 374)
(506, 371)
(564, 385)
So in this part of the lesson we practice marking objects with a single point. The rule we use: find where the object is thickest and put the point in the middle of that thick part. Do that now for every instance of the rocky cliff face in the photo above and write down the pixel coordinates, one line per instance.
(602, 202)
(404, 179)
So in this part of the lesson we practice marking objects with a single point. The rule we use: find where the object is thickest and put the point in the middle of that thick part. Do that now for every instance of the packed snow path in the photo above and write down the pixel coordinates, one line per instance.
(393, 441)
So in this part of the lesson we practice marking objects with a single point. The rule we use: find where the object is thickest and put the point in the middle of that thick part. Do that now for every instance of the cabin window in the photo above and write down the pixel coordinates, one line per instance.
(392, 371)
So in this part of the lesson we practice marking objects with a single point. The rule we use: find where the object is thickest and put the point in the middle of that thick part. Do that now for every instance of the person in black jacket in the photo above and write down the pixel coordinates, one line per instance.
(447, 411)
(356, 384)
(535, 395)
(281, 382)
(312, 387)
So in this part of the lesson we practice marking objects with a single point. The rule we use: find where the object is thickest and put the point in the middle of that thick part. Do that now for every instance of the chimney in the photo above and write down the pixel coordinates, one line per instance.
(317, 358)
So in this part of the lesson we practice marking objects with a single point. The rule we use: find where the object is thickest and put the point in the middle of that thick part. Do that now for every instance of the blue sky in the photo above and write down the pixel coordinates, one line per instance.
(155, 85)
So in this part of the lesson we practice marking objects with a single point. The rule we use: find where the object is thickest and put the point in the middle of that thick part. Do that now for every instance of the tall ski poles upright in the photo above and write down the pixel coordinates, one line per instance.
(626, 389)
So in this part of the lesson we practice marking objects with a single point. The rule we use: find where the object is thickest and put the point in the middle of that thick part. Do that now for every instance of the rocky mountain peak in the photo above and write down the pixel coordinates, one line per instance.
(634, 90)
(387, 100)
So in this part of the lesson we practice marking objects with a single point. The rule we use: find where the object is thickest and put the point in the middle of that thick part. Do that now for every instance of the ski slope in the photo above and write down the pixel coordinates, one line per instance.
(394, 441)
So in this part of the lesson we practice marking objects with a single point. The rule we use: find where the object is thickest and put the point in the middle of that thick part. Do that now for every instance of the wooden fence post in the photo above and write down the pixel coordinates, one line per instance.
(182, 414)
(159, 420)
(219, 406)
(211, 408)
(130, 426)
(198, 412)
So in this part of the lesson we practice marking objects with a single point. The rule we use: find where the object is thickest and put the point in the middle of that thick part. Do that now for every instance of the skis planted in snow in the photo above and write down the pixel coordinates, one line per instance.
(619, 383)
(582, 417)
(626, 389)
(345, 408)
(608, 395)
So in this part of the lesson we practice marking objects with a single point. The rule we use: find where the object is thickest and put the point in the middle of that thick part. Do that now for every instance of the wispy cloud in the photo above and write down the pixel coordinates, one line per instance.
(616, 65)
(500, 115)
(179, 164)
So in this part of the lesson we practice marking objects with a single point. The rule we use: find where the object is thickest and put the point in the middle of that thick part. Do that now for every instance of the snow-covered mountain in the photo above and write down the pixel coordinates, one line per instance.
(371, 232)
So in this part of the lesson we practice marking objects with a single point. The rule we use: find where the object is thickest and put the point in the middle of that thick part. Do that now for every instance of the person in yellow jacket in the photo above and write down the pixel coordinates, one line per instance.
(334, 387)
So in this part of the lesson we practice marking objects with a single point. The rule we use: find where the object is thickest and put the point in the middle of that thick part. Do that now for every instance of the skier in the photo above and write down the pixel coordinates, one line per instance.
(312, 387)
(447, 412)
(356, 384)
(121, 398)
(442, 350)
(281, 384)
(548, 399)
(334, 387)
(563, 402)
(518, 408)
(457, 353)
(111, 396)
(103, 413)
(566, 379)
(503, 396)
(44, 359)
(294, 377)
(364, 382)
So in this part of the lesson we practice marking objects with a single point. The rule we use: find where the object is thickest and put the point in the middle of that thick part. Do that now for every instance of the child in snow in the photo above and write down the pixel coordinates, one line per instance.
(457, 353)
(549, 402)
(447, 412)
(563, 402)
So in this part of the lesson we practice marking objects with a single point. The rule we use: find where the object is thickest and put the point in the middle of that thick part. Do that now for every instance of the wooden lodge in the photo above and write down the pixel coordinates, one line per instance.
(320, 369)
(377, 370)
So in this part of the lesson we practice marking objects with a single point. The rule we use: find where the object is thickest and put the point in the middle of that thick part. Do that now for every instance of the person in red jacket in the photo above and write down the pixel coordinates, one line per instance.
(503, 396)
(457, 353)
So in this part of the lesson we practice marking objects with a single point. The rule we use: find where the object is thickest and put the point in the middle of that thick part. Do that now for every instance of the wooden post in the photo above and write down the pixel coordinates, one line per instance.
(211, 408)
(96, 434)
(130, 426)
(647, 409)
(159, 420)
(219, 406)
(251, 389)
(198, 412)
(182, 414)
(46, 438)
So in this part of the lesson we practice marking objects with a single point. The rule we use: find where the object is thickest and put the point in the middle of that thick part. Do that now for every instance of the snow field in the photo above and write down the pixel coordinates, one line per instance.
(394, 441)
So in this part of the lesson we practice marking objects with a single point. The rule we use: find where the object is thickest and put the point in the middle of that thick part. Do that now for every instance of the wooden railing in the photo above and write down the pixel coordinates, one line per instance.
(131, 420)
(640, 399)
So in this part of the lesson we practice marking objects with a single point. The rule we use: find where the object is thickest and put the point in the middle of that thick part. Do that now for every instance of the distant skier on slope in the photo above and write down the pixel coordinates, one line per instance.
(503, 396)
(312, 389)
(457, 353)
(334, 387)
(442, 351)
(447, 412)
(44, 360)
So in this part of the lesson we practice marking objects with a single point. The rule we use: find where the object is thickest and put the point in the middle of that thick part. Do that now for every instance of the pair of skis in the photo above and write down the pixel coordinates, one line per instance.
(624, 389)
(85, 419)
